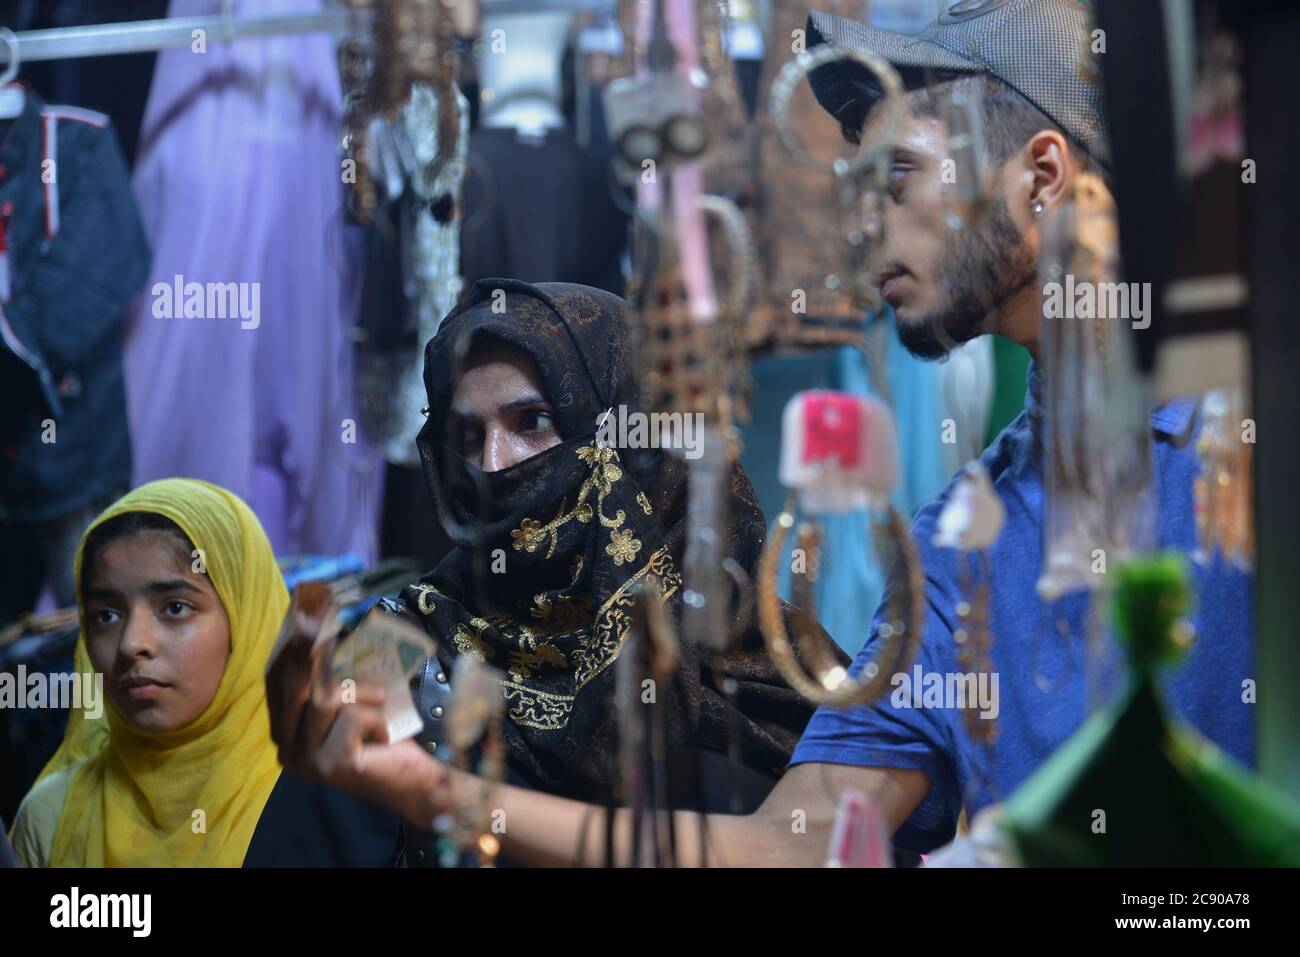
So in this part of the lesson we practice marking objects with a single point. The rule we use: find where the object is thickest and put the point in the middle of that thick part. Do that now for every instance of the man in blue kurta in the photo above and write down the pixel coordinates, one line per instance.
(1043, 126)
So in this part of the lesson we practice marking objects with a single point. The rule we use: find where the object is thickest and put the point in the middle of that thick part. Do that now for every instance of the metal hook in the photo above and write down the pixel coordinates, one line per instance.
(10, 39)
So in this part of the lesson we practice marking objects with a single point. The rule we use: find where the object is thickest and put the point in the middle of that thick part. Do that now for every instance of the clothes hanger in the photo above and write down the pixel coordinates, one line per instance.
(13, 98)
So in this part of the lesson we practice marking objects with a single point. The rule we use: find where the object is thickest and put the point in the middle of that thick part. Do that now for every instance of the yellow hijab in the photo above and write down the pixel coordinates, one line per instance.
(133, 800)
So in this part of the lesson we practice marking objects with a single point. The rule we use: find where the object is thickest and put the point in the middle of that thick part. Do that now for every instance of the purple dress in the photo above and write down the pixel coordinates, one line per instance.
(238, 182)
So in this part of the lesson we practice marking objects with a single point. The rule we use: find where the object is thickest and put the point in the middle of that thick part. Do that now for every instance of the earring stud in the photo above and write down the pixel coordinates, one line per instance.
(1038, 209)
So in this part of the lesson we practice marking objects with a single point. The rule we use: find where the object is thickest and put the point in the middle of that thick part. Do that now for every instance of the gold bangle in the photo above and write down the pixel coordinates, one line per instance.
(857, 183)
(825, 682)
(744, 256)
(791, 77)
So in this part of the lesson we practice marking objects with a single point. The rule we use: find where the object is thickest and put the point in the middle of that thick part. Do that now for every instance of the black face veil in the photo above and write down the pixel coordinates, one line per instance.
(548, 554)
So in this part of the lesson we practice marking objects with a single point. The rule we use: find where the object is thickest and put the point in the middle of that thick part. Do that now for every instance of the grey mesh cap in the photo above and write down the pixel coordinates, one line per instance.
(1031, 45)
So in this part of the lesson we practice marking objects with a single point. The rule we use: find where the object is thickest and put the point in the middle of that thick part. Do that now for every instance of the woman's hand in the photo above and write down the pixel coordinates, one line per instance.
(345, 745)
(355, 755)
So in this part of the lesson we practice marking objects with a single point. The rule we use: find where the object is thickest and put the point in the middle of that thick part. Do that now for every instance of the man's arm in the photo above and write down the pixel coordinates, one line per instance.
(346, 746)
(792, 828)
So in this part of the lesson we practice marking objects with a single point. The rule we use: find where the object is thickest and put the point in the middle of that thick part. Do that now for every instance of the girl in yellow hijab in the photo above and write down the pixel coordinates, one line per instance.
(180, 602)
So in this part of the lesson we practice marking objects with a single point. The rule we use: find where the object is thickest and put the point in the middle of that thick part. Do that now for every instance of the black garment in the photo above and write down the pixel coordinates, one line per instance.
(390, 307)
(540, 209)
(33, 554)
(408, 527)
(77, 252)
(580, 527)
(6, 849)
(304, 824)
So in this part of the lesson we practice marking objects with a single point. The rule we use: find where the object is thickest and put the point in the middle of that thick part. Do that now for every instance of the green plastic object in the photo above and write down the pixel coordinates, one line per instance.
(1135, 788)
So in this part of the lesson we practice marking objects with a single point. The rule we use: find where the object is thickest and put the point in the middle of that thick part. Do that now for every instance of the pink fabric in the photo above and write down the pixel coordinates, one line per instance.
(238, 180)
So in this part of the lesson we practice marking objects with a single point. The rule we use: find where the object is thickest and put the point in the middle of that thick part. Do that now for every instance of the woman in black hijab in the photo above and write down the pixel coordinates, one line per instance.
(548, 555)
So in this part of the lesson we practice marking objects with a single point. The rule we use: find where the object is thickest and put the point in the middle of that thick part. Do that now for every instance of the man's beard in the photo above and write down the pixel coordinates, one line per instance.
(983, 268)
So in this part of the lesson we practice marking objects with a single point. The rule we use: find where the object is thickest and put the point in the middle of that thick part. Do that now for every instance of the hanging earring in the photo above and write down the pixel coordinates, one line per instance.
(838, 454)
(650, 655)
(1096, 433)
(697, 370)
(356, 65)
(441, 75)
(465, 834)
(688, 366)
(1224, 500)
(969, 198)
(860, 183)
(971, 522)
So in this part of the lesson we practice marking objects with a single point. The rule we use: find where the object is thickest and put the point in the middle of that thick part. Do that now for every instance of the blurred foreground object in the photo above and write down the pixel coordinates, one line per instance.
(1131, 788)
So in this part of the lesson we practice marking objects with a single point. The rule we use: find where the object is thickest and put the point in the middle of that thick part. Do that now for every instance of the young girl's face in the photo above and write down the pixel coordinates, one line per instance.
(156, 630)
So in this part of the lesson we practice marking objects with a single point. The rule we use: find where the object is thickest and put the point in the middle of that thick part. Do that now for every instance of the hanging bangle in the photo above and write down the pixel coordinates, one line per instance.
(825, 682)
(792, 75)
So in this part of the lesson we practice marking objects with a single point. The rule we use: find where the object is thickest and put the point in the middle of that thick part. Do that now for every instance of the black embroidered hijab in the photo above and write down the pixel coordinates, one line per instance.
(549, 552)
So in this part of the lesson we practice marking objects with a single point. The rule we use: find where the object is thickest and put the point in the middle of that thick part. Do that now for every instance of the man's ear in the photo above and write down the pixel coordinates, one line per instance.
(1047, 168)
